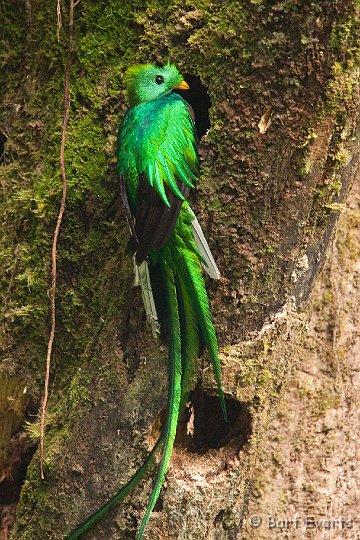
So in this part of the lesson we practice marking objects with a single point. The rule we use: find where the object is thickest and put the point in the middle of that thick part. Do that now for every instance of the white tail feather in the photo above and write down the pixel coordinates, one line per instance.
(208, 263)
(142, 278)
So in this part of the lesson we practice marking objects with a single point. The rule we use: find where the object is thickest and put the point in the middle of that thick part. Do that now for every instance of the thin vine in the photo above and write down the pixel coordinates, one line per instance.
(57, 231)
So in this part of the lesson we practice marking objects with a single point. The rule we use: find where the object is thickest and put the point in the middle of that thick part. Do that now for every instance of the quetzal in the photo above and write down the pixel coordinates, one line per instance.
(158, 165)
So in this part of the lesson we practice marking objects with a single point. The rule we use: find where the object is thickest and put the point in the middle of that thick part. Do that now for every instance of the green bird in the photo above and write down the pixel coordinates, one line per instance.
(158, 166)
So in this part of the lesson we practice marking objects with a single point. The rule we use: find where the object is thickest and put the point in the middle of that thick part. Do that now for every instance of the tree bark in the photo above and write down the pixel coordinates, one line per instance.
(306, 482)
(278, 161)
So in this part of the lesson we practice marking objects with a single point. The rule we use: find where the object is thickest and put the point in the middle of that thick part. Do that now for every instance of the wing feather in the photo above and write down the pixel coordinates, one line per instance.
(166, 134)
(157, 155)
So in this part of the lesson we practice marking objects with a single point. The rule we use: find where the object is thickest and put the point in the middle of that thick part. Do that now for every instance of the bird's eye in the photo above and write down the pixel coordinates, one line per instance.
(159, 79)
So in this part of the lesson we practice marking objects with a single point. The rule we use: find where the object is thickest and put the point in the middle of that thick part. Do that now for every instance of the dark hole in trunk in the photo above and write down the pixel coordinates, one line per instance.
(3, 140)
(11, 486)
(204, 427)
(20, 452)
(199, 99)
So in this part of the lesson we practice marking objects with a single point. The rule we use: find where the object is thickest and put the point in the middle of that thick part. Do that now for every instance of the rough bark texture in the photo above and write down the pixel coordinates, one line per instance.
(306, 484)
(279, 159)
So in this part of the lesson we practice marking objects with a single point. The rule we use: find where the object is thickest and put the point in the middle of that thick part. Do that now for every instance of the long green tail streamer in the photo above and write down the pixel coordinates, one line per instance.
(195, 285)
(174, 390)
(189, 314)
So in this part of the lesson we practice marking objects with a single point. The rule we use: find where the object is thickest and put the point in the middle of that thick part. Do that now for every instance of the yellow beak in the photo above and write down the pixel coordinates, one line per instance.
(182, 86)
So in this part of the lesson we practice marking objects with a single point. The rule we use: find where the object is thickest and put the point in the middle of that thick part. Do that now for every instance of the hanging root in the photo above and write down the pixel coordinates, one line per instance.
(56, 235)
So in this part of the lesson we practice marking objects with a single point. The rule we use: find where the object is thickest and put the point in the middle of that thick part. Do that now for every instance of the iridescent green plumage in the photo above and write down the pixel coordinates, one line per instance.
(160, 128)
(158, 165)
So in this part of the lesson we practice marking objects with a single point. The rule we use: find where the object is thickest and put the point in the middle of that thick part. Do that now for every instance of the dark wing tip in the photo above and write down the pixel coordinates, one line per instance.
(154, 220)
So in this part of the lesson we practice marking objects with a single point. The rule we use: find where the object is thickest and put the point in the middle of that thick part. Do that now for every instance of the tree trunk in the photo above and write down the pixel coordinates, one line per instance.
(306, 479)
(279, 158)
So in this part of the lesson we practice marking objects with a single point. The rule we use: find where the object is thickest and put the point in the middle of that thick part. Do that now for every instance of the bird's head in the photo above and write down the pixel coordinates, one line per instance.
(146, 82)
